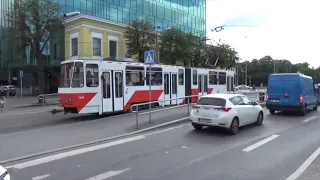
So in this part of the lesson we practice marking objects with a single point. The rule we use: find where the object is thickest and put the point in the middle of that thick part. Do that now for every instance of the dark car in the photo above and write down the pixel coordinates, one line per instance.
(8, 88)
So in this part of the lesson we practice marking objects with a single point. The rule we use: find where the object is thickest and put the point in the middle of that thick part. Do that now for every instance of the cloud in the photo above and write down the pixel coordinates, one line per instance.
(288, 29)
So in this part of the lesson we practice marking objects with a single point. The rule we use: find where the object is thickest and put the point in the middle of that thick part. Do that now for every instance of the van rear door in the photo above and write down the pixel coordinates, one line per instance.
(284, 92)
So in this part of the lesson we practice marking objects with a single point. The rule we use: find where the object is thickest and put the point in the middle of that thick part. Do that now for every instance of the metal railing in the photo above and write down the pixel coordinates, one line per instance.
(46, 97)
(188, 103)
(162, 109)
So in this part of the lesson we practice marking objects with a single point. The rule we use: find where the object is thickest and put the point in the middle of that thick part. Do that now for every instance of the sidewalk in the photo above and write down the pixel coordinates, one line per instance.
(312, 172)
(29, 101)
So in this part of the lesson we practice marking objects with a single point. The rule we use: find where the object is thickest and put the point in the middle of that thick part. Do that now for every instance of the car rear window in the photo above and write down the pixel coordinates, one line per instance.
(211, 101)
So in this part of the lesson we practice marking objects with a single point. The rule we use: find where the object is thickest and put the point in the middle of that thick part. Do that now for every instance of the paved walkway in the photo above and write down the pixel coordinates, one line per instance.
(29, 101)
(312, 172)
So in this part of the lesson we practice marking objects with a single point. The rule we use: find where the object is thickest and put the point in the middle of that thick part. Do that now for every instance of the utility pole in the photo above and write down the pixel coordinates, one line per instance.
(274, 66)
(246, 80)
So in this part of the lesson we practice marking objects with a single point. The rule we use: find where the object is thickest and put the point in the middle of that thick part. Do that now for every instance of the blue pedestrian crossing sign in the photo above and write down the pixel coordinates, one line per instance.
(149, 57)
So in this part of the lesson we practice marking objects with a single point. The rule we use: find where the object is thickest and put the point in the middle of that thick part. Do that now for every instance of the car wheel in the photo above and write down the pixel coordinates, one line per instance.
(259, 119)
(304, 111)
(234, 127)
(272, 111)
(197, 126)
(316, 107)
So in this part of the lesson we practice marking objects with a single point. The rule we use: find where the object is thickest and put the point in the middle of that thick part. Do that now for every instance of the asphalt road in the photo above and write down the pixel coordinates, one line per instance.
(44, 132)
(272, 151)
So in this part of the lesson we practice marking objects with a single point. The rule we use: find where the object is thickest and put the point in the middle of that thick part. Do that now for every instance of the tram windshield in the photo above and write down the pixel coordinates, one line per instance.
(72, 75)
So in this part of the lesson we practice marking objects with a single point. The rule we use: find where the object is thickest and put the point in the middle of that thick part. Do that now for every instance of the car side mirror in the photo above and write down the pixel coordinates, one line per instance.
(255, 103)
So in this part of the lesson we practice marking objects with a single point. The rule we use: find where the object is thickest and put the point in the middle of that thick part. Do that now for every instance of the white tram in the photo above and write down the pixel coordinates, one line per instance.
(99, 86)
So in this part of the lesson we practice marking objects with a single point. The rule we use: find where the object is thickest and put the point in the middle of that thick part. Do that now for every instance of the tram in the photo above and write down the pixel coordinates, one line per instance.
(104, 86)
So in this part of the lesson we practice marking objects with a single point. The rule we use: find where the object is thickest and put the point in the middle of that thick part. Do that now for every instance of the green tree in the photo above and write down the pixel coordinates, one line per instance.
(140, 37)
(196, 52)
(174, 47)
(260, 69)
(36, 21)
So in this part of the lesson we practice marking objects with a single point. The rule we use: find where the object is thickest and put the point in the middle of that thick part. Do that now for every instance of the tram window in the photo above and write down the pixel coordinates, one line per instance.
(65, 75)
(92, 75)
(222, 78)
(156, 76)
(135, 76)
(194, 77)
(181, 76)
(213, 79)
(166, 84)
(77, 78)
(232, 83)
(199, 84)
(174, 83)
(118, 85)
(106, 85)
(205, 85)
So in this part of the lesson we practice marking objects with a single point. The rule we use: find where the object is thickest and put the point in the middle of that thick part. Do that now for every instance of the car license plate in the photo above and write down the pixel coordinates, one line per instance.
(274, 100)
(204, 120)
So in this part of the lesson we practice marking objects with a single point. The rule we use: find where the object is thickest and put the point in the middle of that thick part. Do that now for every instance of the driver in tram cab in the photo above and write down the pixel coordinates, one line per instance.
(89, 78)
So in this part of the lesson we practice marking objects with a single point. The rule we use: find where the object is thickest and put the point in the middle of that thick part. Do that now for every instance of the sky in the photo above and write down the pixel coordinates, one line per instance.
(283, 29)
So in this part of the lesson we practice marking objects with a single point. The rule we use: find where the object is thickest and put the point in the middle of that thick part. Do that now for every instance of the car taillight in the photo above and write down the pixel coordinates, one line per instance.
(267, 97)
(285, 94)
(301, 98)
(226, 109)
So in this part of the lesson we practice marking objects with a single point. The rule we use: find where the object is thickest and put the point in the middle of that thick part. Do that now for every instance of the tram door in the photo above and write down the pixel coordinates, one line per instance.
(170, 88)
(202, 84)
(112, 91)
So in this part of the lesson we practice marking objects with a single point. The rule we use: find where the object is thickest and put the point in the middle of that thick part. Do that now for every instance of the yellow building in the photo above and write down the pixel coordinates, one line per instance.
(92, 37)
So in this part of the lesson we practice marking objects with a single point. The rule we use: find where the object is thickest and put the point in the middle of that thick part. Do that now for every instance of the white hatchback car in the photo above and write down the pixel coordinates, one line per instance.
(4, 175)
(229, 111)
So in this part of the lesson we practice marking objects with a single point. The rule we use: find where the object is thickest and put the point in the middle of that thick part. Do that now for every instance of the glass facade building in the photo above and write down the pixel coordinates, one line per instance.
(187, 15)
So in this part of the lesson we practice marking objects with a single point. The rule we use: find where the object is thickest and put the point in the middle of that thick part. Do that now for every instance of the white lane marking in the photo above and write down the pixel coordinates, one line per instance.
(169, 129)
(41, 177)
(73, 153)
(185, 147)
(310, 119)
(304, 166)
(107, 175)
(260, 143)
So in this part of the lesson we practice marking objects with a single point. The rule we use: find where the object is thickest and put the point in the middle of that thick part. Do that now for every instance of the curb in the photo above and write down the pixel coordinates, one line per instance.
(177, 121)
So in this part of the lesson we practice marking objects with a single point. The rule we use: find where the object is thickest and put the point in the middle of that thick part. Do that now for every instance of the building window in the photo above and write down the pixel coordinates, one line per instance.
(74, 44)
(56, 51)
(113, 46)
(74, 47)
(127, 53)
(135, 76)
(96, 47)
(96, 44)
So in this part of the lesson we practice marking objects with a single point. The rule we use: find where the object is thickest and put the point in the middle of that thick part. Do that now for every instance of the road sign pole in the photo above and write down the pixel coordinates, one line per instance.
(149, 60)
(150, 93)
